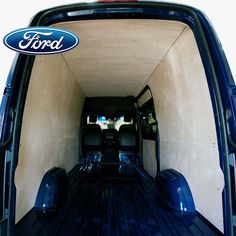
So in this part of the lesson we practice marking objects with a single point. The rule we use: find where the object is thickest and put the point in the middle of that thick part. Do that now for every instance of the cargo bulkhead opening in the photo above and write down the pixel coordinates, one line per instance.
(119, 58)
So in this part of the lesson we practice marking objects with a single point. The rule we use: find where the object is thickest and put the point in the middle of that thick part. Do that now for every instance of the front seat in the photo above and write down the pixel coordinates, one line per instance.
(92, 143)
(127, 143)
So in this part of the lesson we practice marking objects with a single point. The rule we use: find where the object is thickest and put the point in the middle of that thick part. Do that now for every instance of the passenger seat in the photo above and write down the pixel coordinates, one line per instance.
(127, 144)
(92, 143)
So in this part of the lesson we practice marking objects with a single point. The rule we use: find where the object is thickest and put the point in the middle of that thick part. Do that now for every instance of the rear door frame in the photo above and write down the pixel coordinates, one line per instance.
(220, 82)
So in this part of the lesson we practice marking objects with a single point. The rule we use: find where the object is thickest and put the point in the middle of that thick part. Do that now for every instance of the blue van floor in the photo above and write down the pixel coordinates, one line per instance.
(112, 205)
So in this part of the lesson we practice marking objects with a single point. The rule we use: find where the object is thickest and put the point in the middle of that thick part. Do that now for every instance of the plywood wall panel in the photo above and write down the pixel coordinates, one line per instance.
(188, 141)
(50, 129)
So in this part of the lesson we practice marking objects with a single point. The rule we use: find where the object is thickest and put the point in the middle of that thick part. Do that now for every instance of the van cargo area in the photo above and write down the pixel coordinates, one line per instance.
(122, 134)
(119, 58)
(114, 204)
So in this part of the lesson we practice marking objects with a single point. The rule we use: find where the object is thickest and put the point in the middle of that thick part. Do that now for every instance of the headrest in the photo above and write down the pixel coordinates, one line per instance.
(94, 127)
(92, 119)
(126, 127)
(127, 118)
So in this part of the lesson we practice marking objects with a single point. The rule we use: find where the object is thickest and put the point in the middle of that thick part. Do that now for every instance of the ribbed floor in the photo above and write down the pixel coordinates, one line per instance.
(112, 207)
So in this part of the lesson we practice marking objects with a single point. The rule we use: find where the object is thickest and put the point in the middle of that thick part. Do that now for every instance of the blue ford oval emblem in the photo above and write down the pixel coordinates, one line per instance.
(41, 40)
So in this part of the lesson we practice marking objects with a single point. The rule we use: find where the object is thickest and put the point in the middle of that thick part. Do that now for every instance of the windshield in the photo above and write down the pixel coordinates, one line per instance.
(110, 123)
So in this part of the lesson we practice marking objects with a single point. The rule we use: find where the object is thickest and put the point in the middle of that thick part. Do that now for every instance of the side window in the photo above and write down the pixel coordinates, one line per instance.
(148, 120)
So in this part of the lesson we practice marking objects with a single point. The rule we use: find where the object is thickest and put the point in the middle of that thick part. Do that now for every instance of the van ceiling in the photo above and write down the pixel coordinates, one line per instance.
(116, 57)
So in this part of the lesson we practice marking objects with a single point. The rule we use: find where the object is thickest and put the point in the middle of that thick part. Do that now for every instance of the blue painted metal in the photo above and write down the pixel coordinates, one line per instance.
(52, 192)
(175, 191)
(5, 102)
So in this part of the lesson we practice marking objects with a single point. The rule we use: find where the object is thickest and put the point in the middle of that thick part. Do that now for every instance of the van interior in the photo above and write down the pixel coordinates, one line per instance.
(126, 117)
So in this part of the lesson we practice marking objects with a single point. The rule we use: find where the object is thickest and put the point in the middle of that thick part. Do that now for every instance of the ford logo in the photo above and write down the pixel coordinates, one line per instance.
(41, 40)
